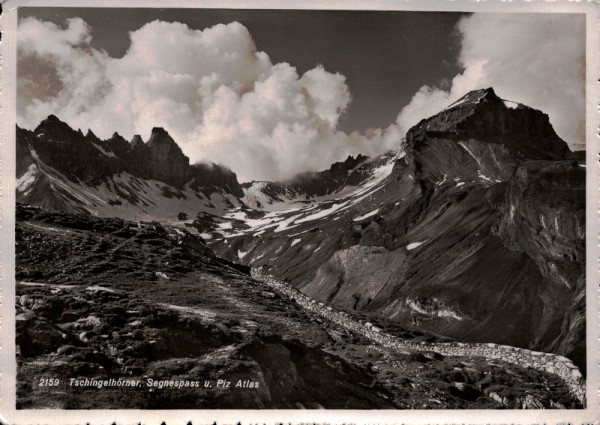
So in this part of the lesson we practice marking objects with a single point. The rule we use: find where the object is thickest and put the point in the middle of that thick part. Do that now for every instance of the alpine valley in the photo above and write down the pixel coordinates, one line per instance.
(449, 273)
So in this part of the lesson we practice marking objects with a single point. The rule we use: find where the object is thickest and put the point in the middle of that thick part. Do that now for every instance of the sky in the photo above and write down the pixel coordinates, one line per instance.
(273, 93)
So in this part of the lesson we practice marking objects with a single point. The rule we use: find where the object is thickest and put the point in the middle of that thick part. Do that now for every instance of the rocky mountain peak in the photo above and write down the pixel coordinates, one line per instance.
(475, 97)
(163, 147)
(482, 115)
(52, 119)
(86, 162)
(160, 136)
(92, 137)
(349, 163)
(118, 145)
(481, 137)
(136, 141)
(55, 129)
(160, 158)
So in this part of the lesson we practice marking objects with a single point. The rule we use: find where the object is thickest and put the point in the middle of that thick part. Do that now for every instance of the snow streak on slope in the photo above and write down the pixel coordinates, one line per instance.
(367, 215)
(316, 209)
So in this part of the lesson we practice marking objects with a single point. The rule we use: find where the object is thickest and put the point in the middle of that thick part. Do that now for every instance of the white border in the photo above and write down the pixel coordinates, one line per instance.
(8, 414)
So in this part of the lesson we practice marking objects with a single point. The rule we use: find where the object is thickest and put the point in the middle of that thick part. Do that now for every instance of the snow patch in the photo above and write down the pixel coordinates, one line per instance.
(482, 177)
(465, 147)
(367, 215)
(104, 151)
(442, 181)
(510, 104)
(414, 245)
(296, 241)
(321, 214)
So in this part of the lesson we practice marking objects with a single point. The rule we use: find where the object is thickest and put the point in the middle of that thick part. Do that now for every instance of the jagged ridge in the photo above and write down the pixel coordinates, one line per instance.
(88, 158)
(60, 168)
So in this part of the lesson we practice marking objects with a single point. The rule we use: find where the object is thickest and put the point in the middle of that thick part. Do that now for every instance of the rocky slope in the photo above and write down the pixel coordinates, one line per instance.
(101, 299)
(475, 229)
(63, 169)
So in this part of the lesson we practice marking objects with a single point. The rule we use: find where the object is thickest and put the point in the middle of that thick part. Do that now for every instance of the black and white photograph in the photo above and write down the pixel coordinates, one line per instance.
(225, 208)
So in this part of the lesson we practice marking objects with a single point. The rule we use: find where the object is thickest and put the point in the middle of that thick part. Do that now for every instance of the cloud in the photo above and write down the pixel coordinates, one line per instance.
(218, 96)
(534, 59)
(77, 74)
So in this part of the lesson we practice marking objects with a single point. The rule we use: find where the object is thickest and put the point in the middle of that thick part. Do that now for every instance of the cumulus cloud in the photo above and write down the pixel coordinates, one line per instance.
(219, 97)
(537, 60)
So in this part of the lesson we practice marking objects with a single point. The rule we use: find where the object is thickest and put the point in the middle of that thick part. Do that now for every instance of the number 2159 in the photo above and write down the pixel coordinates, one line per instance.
(49, 382)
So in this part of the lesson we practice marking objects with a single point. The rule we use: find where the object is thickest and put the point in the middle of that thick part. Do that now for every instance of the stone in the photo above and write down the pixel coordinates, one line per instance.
(494, 396)
(575, 373)
(531, 402)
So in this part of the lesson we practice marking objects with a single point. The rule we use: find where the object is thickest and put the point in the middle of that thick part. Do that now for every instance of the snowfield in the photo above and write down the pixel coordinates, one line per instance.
(127, 196)
(291, 213)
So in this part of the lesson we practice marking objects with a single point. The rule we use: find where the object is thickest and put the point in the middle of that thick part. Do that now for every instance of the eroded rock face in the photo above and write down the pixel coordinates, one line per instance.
(355, 277)
(545, 217)
(167, 161)
(207, 176)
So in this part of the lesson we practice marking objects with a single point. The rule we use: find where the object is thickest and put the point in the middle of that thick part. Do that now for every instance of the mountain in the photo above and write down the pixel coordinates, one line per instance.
(264, 195)
(474, 230)
(63, 169)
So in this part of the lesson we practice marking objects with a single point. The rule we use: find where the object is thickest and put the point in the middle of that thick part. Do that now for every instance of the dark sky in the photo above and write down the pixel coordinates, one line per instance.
(385, 56)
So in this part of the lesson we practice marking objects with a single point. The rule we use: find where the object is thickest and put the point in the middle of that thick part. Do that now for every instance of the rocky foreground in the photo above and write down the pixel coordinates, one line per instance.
(108, 298)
